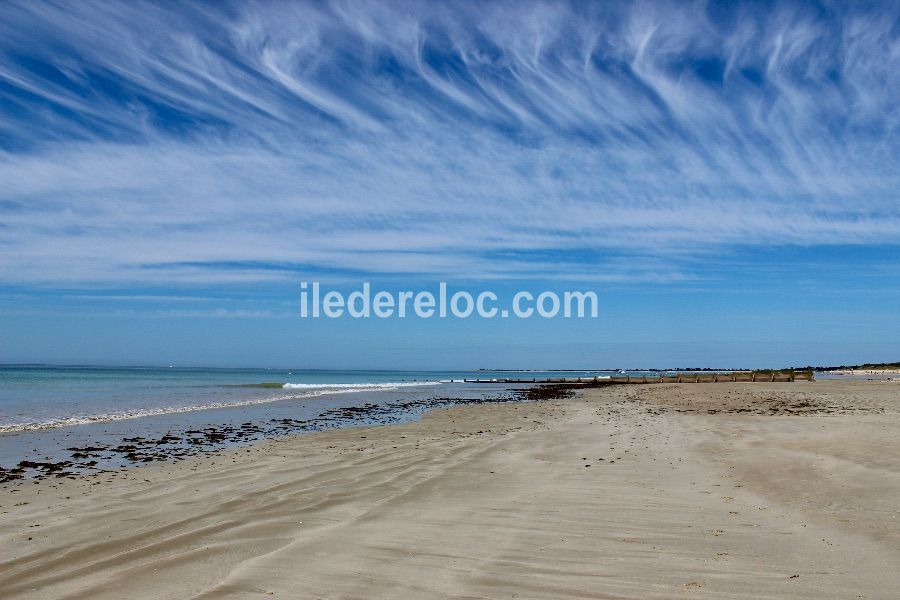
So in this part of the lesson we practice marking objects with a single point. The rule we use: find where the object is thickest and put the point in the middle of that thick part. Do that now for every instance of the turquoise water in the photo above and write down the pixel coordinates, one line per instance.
(33, 397)
(41, 397)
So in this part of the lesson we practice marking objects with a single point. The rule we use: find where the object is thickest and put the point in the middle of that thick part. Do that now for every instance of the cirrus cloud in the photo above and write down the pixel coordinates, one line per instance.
(227, 143)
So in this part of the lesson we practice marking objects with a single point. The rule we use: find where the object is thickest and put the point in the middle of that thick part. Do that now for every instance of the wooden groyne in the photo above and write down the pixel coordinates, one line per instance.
(681, 377)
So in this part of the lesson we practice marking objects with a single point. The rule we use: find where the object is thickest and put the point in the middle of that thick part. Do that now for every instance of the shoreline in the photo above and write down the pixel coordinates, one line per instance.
(729, 490)
(99, 455)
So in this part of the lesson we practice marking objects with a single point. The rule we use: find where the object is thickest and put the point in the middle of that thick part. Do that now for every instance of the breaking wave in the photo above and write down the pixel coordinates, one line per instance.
(354, 386)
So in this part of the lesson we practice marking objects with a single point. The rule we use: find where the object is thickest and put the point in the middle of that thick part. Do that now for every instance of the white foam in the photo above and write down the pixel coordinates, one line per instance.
(352, 386)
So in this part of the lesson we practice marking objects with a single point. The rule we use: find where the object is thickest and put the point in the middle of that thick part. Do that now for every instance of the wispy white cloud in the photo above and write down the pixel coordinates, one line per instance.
(150, 143)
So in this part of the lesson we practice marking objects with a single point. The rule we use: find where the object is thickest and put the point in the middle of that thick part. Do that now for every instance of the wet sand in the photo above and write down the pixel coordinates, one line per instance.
(765, 490)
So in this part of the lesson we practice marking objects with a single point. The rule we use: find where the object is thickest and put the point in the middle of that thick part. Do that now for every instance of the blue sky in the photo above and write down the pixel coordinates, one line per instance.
(724, 175)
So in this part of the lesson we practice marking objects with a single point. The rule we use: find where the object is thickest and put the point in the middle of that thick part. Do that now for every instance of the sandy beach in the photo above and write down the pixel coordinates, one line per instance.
(765, 490)
(875, 373)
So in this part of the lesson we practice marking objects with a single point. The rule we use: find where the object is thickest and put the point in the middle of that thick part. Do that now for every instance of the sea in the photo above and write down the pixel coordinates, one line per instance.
(109, 417)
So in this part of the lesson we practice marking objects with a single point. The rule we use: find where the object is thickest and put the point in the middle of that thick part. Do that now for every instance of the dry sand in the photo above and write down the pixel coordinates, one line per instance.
(762, 490)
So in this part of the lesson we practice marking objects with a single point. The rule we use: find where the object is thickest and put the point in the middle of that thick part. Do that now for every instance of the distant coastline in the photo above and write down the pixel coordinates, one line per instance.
(881, 367)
